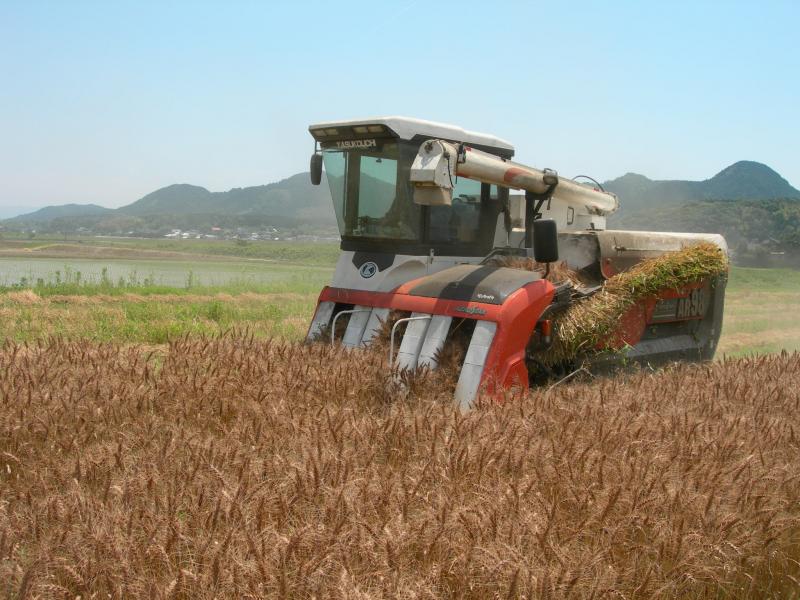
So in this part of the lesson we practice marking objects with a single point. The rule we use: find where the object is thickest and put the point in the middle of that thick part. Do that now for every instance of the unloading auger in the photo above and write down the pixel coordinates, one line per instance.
(428, 225)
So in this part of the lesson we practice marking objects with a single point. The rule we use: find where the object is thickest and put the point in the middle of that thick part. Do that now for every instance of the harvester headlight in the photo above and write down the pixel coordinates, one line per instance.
(361, 129)
(332, 131)
(375, 128)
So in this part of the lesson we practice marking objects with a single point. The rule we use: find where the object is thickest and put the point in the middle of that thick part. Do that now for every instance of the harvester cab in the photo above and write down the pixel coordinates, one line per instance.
(430, 233)
(387, 238)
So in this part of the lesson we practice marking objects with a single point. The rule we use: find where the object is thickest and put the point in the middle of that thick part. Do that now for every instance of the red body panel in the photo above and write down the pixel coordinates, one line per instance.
(515, 319)
(640, 315)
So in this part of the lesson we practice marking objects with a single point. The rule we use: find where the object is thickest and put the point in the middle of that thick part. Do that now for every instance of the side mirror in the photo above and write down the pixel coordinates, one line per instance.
(316, 168)
(545, 241)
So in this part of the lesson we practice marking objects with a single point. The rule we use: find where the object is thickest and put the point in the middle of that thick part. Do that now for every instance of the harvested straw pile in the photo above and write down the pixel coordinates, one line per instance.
(559, 272)
(239, 468)
(587, 325)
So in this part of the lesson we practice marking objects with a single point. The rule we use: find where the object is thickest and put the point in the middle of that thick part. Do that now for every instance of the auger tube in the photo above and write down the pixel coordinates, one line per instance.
(438, 163)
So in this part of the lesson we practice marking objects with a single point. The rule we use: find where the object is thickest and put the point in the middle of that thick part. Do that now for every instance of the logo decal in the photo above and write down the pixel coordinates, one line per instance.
(678, 309)
(356, 144)
(368, 269)
(471, 310)
(693, 306)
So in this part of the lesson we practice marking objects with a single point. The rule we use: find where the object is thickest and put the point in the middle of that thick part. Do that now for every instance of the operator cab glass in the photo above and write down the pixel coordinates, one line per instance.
(371, 198)
(375, 211)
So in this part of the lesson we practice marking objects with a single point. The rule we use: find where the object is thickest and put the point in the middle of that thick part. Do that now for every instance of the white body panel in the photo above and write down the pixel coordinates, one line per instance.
(322, 317)
(472, 370)
(405, 268)
(407, 128)
(434, 341)
(376, 319)
(414, 337)
(355, 326)
(655, 242)
(569, 216)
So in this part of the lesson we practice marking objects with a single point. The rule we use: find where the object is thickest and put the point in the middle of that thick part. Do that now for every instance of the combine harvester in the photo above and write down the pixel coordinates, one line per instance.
(427, 223)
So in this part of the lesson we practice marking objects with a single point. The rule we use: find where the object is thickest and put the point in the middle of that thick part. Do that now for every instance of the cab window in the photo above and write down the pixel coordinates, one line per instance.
(460, 223)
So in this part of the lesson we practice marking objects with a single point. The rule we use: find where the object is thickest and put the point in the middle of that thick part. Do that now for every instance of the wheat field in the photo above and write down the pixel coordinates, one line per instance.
(236, 467)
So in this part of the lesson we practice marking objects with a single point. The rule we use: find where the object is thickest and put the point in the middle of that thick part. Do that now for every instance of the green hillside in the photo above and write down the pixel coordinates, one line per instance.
(756, 209)
(291, 202)
(740, 181)
(173, 199)
(293, 197)
(48, 213)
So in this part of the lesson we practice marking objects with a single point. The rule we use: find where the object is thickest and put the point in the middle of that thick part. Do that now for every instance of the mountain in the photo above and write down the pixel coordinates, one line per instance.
(9, 211)
(173, 199)
(293, 197)
(755, 208)
(747, 201)
(742, 180)
(48, 213)
(291, 202)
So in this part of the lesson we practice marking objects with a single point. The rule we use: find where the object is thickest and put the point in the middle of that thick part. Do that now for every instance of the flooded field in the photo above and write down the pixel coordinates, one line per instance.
(174, 273)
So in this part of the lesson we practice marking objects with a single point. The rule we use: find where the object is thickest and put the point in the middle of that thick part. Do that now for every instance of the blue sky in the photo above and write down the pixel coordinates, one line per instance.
(106, 101)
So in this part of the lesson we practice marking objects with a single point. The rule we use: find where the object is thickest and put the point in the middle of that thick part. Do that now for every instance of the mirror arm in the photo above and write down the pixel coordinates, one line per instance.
(532, 211)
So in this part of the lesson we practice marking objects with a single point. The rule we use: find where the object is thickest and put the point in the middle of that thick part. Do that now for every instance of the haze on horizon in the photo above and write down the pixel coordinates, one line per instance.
(103, 103)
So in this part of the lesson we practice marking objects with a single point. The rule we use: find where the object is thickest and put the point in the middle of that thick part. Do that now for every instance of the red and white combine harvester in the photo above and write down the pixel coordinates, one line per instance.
(424, 212)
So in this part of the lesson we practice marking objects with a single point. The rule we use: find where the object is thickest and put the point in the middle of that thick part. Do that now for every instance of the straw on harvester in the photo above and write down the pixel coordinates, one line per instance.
(588, 325)
(558, 273)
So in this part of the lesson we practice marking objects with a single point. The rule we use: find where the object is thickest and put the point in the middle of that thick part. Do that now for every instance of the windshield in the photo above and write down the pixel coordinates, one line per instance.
(371, 191)
(373, 200)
